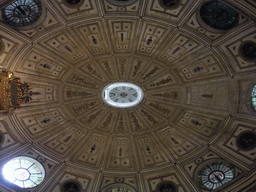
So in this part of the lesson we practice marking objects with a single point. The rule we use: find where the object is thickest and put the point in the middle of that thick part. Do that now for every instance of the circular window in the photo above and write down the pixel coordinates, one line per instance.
(73, 2)
(24, 172)
(71, 186)
(122, 2)
(246, 140)
(118, 187)
(219, 15)
(254, 97)
(166, 186)
(214, 174)
(248, 50)
(169, 4)
(22, 13)
(122, 95)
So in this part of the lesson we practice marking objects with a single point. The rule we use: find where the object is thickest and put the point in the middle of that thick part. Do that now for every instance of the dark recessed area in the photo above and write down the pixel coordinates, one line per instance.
(248, 50)
(73, 2)
(71, 187)
(170, 3)
(247, 140)
(167, 187)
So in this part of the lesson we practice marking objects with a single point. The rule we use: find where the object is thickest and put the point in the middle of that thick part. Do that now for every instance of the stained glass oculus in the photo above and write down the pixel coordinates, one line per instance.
(22, 13)
(24, 172)
(122, 95)
(215, 174)
(254, 97)
(219, 15)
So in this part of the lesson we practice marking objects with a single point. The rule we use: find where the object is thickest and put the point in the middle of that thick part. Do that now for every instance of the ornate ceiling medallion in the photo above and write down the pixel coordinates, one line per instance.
(169, 4)
(214, 174)
(246, 140)
(219, 15)
(121, 2)
(24, 172)
(248, 50)
(22, 13)
(122, 95)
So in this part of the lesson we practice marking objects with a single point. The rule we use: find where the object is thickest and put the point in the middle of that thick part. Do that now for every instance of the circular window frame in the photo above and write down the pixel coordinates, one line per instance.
(33, 25)
(122, 3)
(160, 2)
(248, 101)
(241, 53)
(158, 186)
(203, 164)
(239, 146)
(105, 189)
(105, 96)
(71, 181)
(209, 28)
(32, 160)
(73, 6)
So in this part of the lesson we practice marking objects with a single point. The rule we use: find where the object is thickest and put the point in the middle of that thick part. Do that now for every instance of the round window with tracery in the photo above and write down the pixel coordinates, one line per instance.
(122, 95)
(254, 97)
(24, 172)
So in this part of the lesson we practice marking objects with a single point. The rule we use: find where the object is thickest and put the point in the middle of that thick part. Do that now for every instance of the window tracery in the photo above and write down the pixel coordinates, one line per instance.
(254, 97)
(22, 13)
(214, 174)
(24, 172)
(219, 15)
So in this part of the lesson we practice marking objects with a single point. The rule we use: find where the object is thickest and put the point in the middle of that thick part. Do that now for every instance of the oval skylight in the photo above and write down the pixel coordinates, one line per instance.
(24, 172)
(122, 95)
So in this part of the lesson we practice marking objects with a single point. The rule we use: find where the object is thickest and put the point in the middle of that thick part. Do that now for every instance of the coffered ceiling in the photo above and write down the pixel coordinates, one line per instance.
(196, 81)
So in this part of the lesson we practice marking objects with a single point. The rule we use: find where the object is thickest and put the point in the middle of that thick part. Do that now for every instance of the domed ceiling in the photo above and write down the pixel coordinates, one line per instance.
(196, 72)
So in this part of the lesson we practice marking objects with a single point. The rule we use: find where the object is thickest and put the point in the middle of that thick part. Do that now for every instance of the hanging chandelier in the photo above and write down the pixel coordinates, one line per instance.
(12, 92)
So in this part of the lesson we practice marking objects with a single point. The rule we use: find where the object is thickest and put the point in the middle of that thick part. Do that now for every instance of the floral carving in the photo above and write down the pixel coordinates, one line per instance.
(160, 108)
(162, 82)
(136, 68)
(92, 118)
(106, 123)
(153, 71)
(71, 94)
(150, 117)
(135, 122)
(167, 95)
